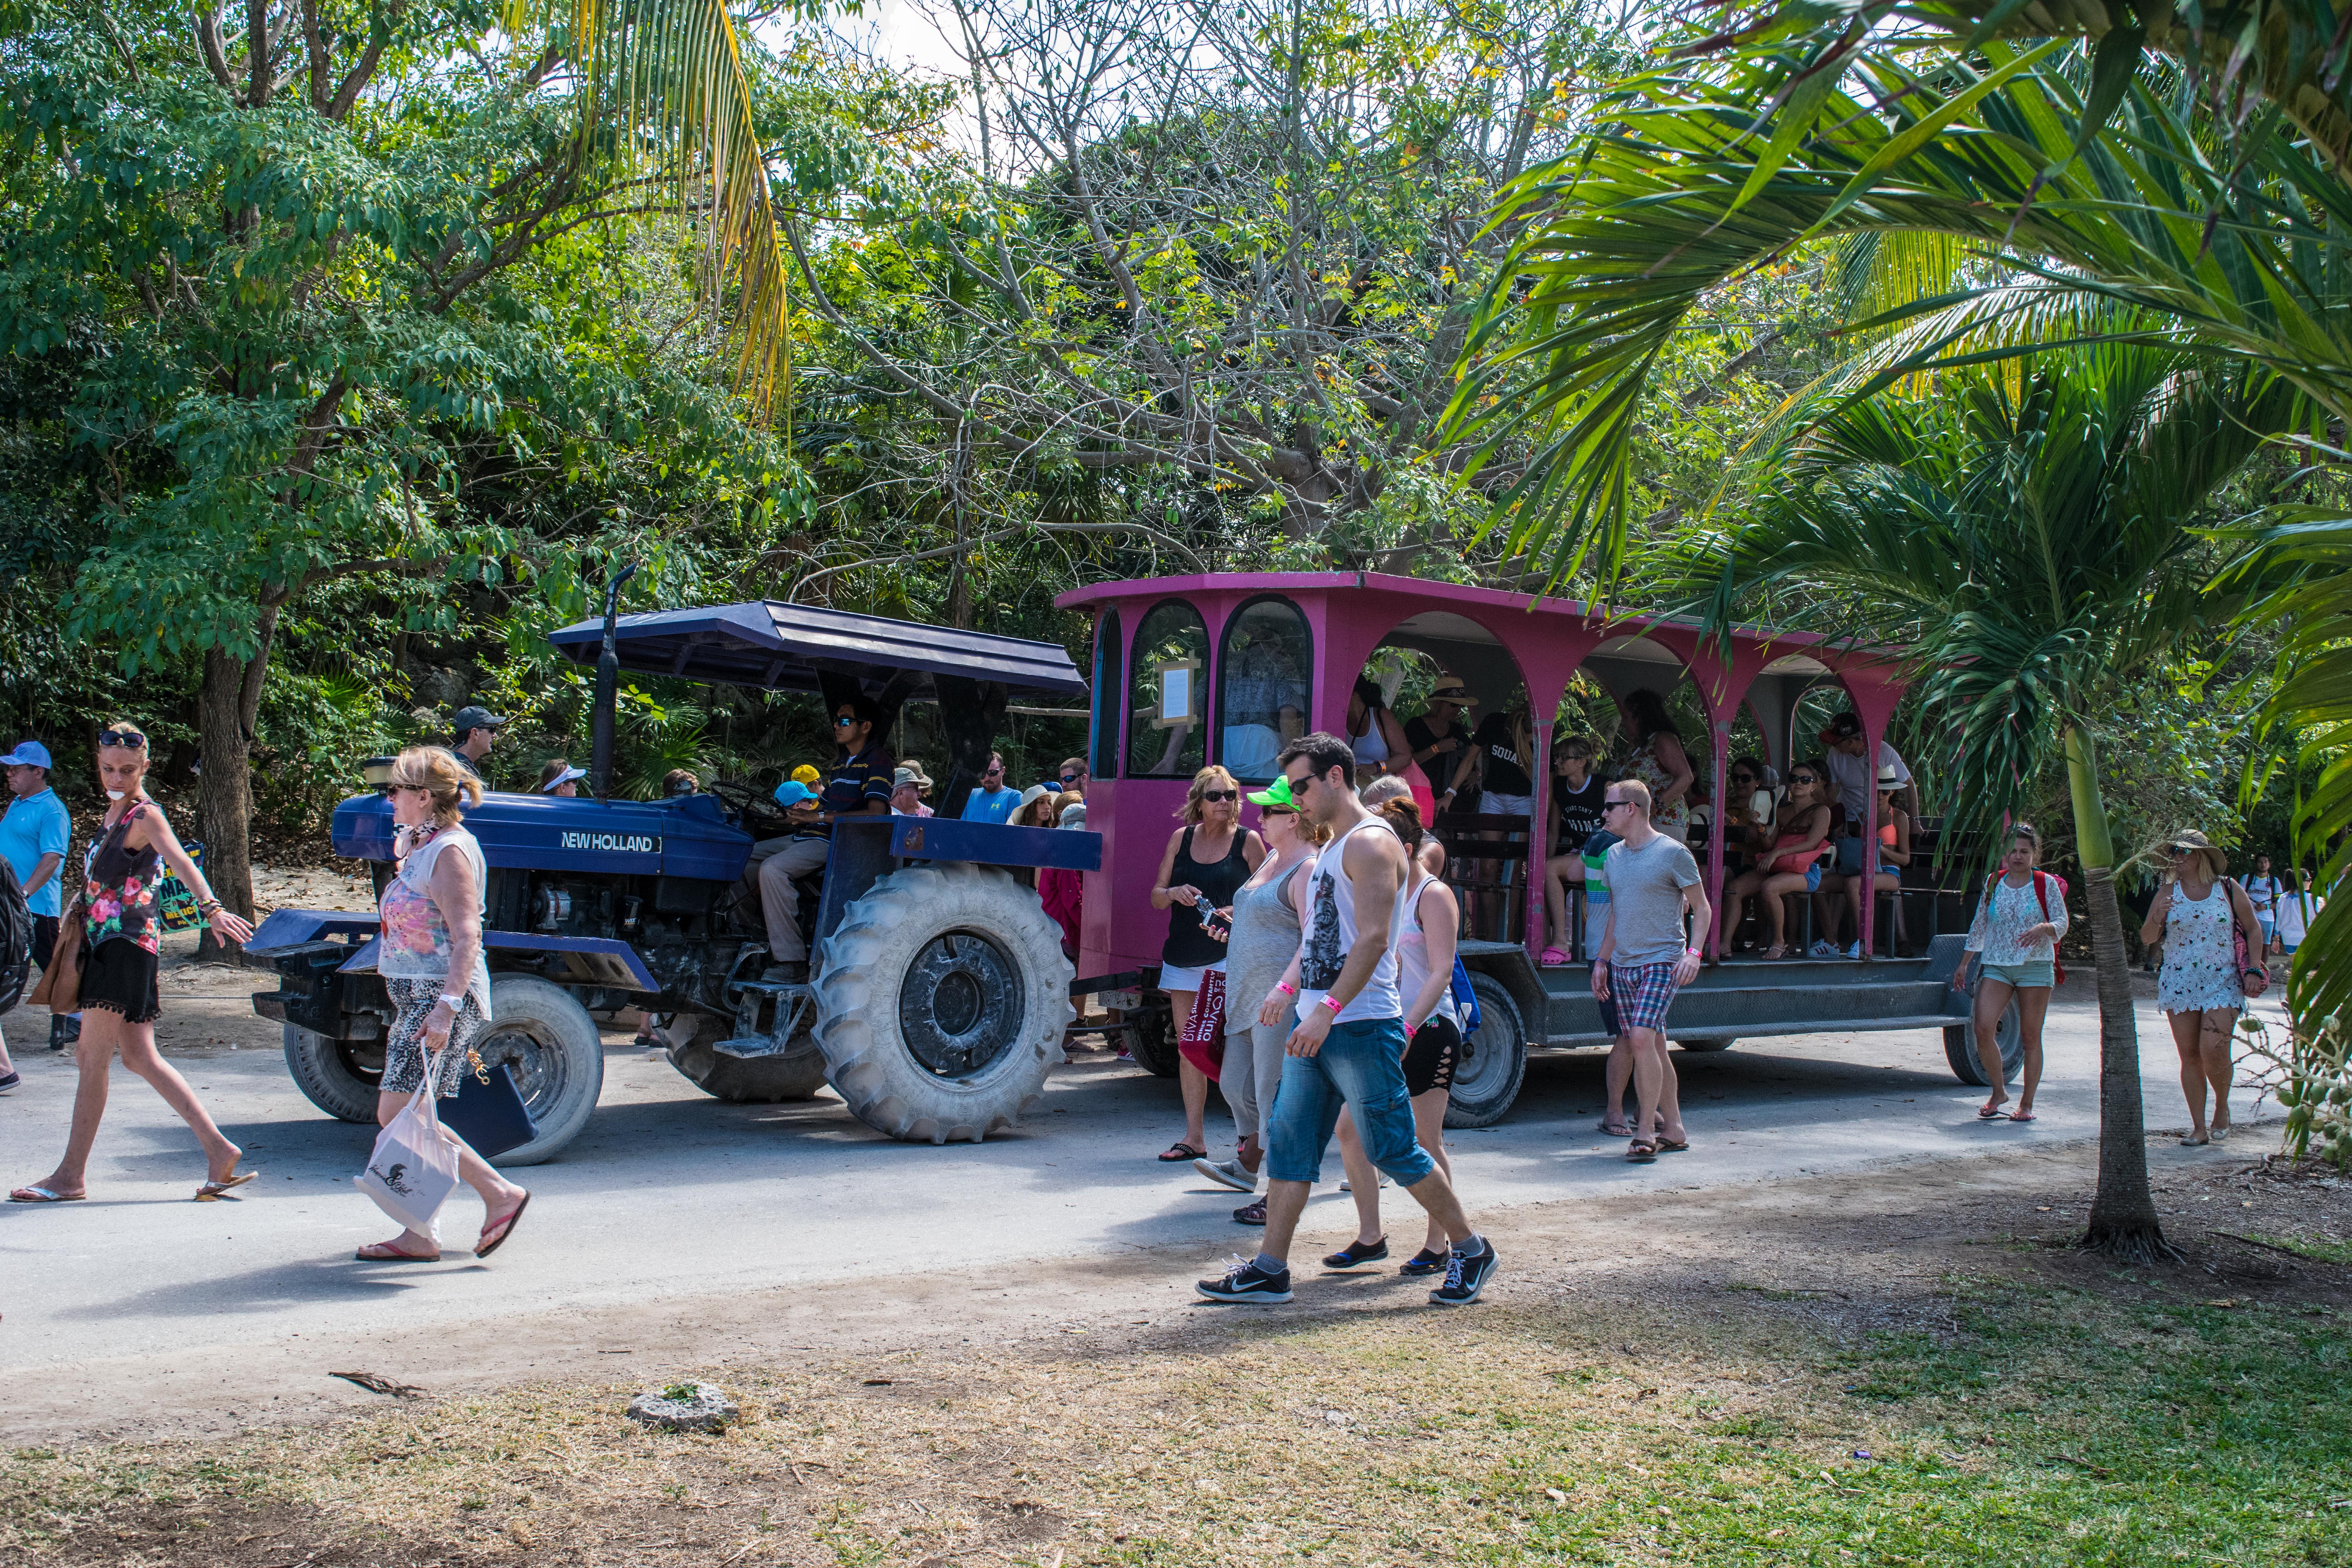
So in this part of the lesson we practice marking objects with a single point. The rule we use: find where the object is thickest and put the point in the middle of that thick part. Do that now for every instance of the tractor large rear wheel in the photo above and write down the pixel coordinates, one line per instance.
(942, 1001)
(693, 1039)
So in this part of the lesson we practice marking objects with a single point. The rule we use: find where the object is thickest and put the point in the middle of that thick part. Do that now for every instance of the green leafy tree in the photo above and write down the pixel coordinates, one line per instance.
(302, 261)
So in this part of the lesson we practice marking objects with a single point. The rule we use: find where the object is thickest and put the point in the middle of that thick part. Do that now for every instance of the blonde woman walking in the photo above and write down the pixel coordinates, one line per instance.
(2015, 936)
(432, 963)
(1206, 860)
(2202, 986)
(118, 914)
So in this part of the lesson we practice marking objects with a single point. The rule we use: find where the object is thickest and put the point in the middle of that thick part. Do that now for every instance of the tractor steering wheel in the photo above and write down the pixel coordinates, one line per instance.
(750, 808)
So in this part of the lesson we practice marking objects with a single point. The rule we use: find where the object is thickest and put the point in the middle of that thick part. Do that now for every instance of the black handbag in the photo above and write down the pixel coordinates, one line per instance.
(489, 1116)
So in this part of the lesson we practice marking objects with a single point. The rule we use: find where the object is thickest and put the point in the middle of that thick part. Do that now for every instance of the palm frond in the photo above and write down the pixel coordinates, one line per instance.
(662, 85)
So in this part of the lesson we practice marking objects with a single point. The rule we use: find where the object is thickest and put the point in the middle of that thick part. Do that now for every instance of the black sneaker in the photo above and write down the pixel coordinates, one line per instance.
(1423, 1262)
(65, 1029)
(1465, 1278)
(1251, 1214)
(9, 1082)
(1245, 1281)
(1356, 1254)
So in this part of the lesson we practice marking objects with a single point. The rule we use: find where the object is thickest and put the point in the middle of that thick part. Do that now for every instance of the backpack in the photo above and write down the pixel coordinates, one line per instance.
(2042, 880)
(15, 939)
(1465, 999)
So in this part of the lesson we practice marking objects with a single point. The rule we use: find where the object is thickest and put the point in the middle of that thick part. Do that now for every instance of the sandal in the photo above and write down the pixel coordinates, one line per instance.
(1356, 1254)
(385, 1252)
(1668, 1146)
(46, 1195)
(1620, 1130)
(1251, 1214)
(1181, 1150)
(210, 1191)
(1555, 958)
(1641, 1152)
(485, 1244)
(1778, 950)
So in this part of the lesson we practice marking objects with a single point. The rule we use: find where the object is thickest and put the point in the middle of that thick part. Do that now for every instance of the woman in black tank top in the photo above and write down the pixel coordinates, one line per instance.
(1206, 862)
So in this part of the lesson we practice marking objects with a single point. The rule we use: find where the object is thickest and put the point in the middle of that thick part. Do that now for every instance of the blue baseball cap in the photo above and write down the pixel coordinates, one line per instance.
(792, 792)
(27, 755)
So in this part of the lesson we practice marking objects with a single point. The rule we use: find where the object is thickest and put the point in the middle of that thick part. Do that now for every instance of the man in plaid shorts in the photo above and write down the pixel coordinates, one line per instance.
(1645, 956)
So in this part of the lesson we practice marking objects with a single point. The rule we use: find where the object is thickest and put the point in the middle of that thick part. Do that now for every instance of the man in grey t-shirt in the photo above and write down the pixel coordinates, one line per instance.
(1645, 957)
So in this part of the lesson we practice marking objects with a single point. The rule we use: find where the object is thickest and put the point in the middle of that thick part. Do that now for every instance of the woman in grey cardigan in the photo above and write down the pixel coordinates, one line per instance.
(1263, 940)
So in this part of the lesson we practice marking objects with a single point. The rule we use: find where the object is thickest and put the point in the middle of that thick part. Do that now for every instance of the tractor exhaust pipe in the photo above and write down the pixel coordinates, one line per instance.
(608, 679)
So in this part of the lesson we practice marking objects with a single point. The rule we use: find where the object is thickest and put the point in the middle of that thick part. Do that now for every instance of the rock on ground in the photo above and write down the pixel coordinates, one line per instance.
(709, 1409)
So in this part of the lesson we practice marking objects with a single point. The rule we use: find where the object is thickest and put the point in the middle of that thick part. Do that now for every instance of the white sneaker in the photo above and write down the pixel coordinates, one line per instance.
(1855, 952)
(1349, 1186)
(1229, 1173)
(1822, 949)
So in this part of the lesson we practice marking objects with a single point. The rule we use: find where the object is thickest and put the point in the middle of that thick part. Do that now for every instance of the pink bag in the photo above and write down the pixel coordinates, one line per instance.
(1202, 1042)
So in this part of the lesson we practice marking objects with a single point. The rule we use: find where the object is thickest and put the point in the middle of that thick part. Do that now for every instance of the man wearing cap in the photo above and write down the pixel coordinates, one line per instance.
(1440, 741)
(473, 731)
(859, 786)
(35, 835)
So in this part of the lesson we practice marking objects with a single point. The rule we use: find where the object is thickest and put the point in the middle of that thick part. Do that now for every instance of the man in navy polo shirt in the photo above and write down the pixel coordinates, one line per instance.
(35, 835)
(858, 785)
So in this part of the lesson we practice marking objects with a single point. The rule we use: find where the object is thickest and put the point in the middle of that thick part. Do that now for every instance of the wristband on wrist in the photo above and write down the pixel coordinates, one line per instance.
(1286, 987)
(1333, 1003)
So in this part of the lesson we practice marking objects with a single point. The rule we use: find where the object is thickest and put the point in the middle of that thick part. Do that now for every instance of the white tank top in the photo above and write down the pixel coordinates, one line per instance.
(1371, 747)
(1412, 956)
(1327, 933)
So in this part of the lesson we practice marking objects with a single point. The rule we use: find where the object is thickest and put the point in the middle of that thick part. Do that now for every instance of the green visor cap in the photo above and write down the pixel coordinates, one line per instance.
(1275, 793)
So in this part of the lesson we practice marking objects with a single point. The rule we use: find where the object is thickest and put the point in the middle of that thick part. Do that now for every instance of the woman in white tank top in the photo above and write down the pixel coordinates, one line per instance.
(1424, 948)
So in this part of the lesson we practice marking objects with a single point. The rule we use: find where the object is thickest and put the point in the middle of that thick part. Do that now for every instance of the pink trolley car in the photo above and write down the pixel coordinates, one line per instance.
(1225, 667)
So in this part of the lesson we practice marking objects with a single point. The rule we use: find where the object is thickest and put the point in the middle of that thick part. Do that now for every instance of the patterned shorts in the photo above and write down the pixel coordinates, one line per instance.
(1642, 995)
(403, 1053)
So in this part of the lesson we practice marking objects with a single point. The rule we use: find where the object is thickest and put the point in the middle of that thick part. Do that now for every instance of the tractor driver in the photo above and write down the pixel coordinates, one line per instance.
(858, 785)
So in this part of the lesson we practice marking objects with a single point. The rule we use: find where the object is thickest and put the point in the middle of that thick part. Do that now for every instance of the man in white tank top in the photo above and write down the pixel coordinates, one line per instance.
(1348, 1046)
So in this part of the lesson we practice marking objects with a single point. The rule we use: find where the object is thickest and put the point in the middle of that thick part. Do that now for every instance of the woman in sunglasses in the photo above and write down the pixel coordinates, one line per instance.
(1792, 865)
(119, 913)
(1206, 860)
(2204, 984)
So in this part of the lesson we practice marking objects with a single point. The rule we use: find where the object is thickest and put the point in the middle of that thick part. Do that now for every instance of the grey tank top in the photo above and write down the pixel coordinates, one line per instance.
(1265, 940)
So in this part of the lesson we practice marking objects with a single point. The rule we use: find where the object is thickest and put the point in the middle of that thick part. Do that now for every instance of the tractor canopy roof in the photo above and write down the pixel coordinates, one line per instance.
(784, 648)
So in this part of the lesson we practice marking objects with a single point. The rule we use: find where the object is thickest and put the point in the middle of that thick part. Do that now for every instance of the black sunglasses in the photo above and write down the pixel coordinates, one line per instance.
(120, 738)
(992, 773)
(1743, 778)
(844, 720)
(1072, 778)
(1217, 794)
(1804, 778)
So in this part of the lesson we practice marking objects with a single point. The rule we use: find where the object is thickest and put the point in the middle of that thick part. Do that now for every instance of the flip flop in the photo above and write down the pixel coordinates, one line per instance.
(210, 1191)
(2022, 1116)
(1986, 1113)
(1620, 1130)
(1668, 1146)
(43, 1196)
(1178, 1153)
(485, 1244)
(1641, 1152)
(384, 1252)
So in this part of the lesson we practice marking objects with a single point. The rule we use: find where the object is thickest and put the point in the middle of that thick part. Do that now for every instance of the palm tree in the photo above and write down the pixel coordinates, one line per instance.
(2022, 532)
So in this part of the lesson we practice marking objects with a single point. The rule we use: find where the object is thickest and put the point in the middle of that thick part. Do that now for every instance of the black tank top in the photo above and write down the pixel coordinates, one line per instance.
(1189, 946)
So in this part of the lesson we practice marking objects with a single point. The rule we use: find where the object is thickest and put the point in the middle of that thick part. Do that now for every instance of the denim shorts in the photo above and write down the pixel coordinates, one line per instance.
(2040, 972)
(1360, 1066)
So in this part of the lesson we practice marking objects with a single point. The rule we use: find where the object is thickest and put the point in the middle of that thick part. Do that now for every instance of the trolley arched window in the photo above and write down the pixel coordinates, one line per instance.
(1264, 671)
(1166, 725)
(1111, 679)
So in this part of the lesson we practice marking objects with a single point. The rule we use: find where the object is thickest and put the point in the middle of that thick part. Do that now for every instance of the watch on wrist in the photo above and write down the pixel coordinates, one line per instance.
(452, 1003)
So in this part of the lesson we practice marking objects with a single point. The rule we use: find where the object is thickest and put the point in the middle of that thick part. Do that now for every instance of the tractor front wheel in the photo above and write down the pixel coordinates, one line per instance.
(942, 1001)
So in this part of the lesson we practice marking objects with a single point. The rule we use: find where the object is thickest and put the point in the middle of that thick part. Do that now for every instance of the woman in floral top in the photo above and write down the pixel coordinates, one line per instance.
(2202, 987)
(119, 999)
(2015, 936)
(429, 954)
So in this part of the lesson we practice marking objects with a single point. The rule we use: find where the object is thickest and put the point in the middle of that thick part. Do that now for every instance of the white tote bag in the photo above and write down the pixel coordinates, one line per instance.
(414, 1169)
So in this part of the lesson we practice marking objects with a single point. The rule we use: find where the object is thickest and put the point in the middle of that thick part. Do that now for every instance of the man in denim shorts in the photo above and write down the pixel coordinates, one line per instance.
(1645, 957)
(1348, 1048)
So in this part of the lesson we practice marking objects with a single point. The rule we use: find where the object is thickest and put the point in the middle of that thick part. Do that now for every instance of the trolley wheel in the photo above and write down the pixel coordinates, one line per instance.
(1960, 1048)
(1493, 1061)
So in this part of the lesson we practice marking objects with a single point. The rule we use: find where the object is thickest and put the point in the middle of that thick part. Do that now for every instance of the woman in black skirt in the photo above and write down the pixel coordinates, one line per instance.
(117, 910)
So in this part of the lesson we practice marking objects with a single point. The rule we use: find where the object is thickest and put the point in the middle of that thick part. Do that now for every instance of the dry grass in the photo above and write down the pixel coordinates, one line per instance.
(1958, 1391)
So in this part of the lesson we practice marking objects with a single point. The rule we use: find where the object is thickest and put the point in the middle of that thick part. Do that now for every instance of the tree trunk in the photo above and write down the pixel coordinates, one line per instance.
(2123, 1214)
(227, 707)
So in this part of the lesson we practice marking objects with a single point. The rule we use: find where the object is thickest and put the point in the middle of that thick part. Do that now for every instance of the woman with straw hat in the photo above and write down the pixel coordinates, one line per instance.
(2204, 983)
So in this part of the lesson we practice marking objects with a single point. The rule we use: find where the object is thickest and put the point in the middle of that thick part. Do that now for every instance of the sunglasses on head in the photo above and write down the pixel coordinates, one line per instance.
(131, 738)
(1213, 796)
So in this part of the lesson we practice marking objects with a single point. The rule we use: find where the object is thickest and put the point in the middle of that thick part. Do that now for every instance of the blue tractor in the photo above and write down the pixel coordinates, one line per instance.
(937, 991)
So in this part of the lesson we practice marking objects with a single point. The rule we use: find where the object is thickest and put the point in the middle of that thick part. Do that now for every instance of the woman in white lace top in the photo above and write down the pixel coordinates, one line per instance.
(2015, 937)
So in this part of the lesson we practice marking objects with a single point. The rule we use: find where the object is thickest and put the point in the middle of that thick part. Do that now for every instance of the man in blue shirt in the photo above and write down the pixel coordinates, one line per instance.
(35, 835)
(994, 801)
(859, 785)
